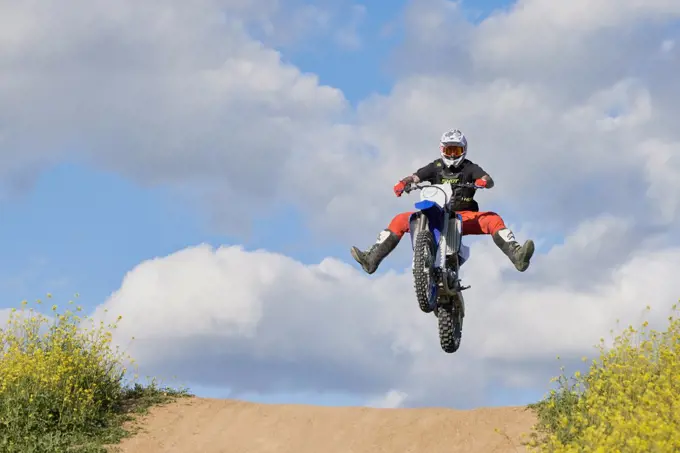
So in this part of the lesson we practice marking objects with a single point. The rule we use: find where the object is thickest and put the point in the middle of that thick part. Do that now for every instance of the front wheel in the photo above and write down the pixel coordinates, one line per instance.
(423, 271)
(450, 327)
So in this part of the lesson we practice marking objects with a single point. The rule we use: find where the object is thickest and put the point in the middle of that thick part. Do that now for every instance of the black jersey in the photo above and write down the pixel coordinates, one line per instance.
(436, 172)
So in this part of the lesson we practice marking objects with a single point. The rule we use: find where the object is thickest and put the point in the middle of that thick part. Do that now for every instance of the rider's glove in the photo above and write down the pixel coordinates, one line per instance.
(480, 183)
(401, 185)
(399, 188)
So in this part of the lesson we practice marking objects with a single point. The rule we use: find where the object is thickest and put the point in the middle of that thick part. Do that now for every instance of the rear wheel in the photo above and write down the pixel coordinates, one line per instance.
(423, 270)
(450, 327)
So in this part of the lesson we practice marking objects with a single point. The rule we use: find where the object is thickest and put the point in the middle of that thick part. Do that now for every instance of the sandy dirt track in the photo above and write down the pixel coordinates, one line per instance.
(227, 426)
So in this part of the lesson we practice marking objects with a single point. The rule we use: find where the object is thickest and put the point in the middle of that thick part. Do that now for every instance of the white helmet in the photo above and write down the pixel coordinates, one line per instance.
(453, 147)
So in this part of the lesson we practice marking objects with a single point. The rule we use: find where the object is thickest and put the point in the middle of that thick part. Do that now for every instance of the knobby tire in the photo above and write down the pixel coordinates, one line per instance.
(422, 270)
(450, 328)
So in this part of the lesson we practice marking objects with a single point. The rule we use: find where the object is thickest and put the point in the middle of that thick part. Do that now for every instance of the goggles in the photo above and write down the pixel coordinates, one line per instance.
(452, 150)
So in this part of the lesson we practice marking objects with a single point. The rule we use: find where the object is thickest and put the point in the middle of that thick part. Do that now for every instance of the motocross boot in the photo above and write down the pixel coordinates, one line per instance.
(371, 258)
(518, 254)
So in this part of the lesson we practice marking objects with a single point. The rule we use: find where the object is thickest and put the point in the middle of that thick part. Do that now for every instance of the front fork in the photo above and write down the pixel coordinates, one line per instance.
(450, 286)
(445, 289)
(448, 239)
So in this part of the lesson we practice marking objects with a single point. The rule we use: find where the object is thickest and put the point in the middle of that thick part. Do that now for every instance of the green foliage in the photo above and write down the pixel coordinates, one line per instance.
(62, 384)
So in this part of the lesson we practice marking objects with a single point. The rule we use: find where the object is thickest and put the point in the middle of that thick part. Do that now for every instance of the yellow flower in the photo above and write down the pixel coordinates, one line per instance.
(626, 402)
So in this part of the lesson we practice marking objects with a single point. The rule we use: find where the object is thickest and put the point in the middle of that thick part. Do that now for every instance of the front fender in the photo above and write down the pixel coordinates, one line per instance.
(435, 219)
(424, 205)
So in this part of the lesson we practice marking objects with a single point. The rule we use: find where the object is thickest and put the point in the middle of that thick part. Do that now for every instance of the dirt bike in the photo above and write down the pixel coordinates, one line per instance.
(438, 254)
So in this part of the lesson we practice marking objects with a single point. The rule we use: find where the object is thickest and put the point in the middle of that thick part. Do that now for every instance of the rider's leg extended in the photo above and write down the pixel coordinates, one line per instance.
(492, 224)
(386, 242)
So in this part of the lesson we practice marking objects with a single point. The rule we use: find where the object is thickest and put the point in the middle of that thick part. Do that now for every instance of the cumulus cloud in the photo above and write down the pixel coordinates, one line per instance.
(165, 93)
(662, 171)
(255, 321)
(569, 133)
(259, 309)
(391, 400)
(539, 28)
(667, 46)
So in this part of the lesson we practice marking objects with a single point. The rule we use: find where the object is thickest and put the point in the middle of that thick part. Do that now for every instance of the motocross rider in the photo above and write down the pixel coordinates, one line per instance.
(451, 167)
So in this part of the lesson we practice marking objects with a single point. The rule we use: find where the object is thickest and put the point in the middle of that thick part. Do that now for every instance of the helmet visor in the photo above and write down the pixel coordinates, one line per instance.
(454, 151)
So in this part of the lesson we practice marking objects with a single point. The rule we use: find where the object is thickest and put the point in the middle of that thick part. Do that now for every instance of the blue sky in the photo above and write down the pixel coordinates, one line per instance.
(360, 73)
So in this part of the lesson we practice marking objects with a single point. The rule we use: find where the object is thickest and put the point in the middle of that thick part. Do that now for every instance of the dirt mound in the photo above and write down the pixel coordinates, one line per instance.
(228, 426)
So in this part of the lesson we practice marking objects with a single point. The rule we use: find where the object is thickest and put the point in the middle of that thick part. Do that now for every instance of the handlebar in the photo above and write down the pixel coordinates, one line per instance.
(467, 185)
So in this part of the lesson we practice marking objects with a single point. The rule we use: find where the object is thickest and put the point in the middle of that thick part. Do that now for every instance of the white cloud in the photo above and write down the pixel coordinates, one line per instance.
(391, 400)
(233, 311)
(536, 30)
(548, 161)
(348, 37)
(165, 93)
(563, 134)
(662, 170)
(256, 321)
(667, 46)
(298, 26)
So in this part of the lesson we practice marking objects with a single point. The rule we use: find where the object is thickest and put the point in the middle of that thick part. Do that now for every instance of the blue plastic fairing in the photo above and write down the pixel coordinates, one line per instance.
(425, 204)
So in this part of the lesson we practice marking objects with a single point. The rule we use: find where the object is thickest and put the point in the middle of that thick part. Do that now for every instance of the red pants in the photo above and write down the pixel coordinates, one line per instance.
(473, 223)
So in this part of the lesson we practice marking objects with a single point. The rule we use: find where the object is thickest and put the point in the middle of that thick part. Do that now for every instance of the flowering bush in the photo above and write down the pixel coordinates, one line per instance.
(61, 384)
(629, 401)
